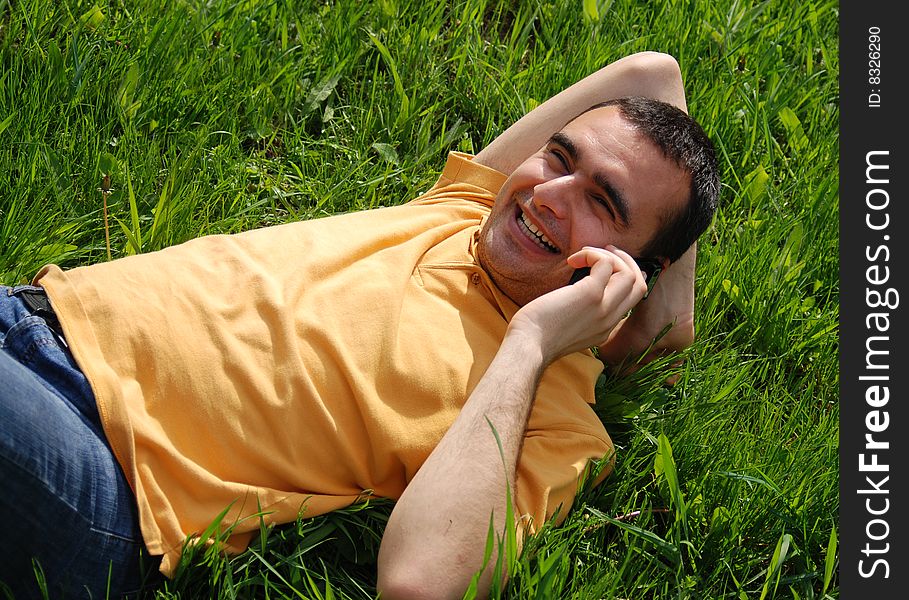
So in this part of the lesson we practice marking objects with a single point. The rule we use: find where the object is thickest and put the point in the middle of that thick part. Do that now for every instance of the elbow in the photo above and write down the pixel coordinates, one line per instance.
(682, 335)
(658, 76)
(398, 582)
(414, 583)
(655, 62)
(688, 337)
(400, 588)
(406, 573)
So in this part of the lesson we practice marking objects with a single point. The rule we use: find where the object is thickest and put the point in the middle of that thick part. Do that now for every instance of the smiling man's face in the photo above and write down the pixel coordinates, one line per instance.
(596, 182)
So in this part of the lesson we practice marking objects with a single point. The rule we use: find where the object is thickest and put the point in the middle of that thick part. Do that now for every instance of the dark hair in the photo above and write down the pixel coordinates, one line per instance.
(682, 140)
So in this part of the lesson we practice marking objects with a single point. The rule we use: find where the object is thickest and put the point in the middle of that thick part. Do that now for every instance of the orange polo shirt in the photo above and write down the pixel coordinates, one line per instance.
(295, 367)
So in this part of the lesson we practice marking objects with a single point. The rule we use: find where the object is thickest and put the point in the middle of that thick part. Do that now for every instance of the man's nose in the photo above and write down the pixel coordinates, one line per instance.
(554, 195)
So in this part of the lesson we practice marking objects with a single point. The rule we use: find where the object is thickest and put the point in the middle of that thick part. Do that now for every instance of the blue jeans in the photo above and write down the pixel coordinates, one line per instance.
(64, 501)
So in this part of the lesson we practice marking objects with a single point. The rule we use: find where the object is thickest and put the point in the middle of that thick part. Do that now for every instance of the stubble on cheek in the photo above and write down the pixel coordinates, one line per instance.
(520, 281)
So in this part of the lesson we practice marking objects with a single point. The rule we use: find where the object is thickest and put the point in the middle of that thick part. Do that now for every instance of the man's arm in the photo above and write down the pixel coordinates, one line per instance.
(436, 535)
(648, 74)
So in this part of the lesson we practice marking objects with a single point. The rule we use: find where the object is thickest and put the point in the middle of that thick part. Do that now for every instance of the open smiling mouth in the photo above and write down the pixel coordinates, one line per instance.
(534, 234)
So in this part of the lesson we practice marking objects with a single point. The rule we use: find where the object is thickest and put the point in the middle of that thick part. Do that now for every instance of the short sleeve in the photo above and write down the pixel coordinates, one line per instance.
(551, 465)
(463, 179)
(564, 437)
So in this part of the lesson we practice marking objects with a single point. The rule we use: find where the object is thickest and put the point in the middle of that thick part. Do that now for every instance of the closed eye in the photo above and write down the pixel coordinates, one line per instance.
(560, 156)
(563, 148)
(605, 203)
(563, 160)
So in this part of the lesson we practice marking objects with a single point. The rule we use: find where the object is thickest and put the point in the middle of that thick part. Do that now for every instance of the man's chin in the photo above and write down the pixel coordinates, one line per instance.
(513, 278)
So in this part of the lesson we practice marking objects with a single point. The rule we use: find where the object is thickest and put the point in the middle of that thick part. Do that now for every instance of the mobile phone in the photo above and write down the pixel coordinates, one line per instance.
(578, 275)
(650, 267)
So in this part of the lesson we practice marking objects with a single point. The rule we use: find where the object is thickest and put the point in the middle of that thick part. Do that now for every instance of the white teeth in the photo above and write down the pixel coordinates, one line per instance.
(544, 241)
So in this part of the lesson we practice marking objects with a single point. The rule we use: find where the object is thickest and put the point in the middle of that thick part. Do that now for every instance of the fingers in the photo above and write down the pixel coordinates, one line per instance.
(612, 272)
(583, 315)
(588, 256)
(613, 287)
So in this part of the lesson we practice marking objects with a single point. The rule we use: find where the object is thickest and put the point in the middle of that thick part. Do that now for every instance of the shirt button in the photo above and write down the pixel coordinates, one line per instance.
(475, 279)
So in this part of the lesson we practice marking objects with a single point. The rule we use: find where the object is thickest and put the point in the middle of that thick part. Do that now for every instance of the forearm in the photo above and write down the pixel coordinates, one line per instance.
(436, 535)
(648, 74)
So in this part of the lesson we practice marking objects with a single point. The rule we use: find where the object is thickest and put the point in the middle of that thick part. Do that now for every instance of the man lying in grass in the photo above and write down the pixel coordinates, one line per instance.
(298, 367)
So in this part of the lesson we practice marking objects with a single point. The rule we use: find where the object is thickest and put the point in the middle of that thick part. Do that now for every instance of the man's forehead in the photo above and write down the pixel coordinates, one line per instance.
(605, 122)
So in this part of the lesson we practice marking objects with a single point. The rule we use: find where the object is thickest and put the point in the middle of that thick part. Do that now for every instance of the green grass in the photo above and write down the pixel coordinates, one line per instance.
(219, 117)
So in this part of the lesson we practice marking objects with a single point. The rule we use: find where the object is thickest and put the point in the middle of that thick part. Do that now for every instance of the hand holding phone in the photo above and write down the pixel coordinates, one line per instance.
(650, 267)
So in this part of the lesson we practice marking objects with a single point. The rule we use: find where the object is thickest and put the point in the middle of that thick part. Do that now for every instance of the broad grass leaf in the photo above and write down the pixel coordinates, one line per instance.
(6, 122)
(591, 11)
(93, 17)
(669, 551)
(795, 134)
(830, 560)
(664, 464)
(320, 92)
(127, 91)
(756, 184)
(387, 152)
(53, 253)
(132, 244)
(787, 265)
(776, 564)
(107, 163)
(392, 66)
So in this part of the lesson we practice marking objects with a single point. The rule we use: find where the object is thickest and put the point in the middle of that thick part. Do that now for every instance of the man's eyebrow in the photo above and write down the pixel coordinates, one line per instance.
(614, 197)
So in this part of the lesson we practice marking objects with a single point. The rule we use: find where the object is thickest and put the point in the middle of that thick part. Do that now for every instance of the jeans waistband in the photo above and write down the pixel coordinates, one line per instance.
(39, 305)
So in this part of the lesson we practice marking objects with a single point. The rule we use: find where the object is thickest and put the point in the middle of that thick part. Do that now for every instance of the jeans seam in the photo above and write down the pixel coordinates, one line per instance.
(29, 353)
(24, 324)
(47, 484)
(115, 535)
(89, 523)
